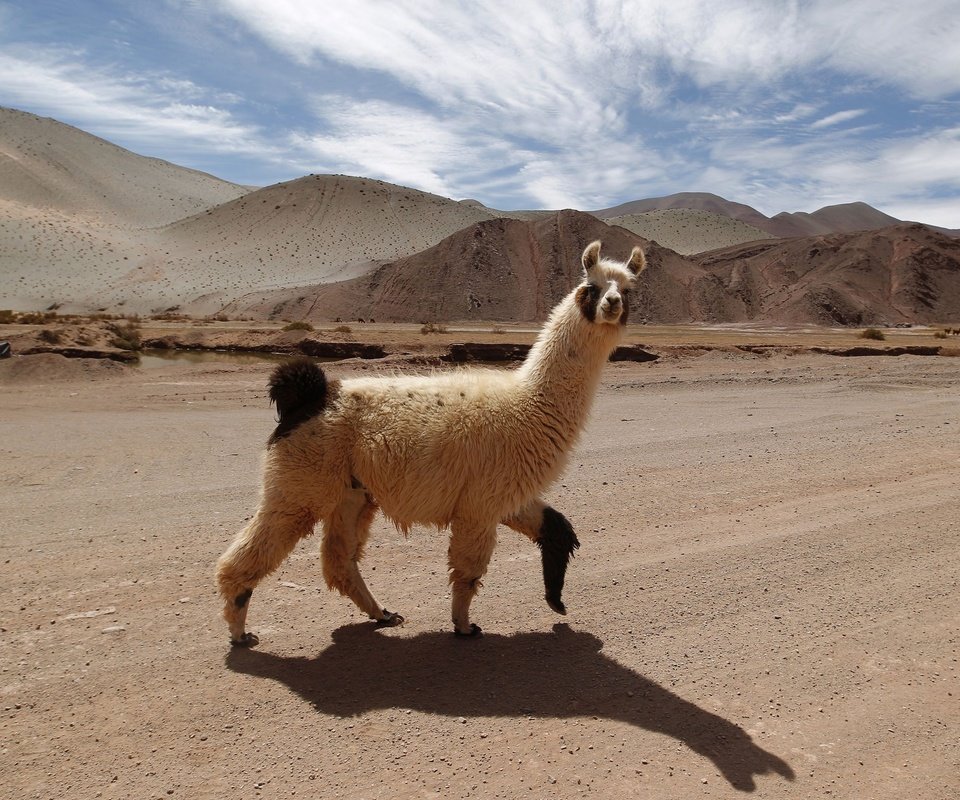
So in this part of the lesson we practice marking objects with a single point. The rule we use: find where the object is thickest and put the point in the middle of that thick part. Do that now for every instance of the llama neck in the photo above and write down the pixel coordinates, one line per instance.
(564, 366)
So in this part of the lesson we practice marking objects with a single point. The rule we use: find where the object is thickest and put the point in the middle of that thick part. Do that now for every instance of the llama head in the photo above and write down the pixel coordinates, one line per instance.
(604, 296)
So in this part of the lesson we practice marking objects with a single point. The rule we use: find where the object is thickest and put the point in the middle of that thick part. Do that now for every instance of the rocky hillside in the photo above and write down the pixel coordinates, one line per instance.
(904, 273)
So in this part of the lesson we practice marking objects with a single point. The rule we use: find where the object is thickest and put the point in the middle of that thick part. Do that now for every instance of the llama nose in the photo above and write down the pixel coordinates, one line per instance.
(613, 302)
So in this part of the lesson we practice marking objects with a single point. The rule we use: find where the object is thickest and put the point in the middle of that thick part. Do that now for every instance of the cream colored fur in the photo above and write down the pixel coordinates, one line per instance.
(467, 449)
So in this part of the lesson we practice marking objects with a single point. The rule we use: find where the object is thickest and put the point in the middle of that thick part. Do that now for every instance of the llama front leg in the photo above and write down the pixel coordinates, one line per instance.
(471, 546)
(556, 539)
(255, 552)
(345, 533)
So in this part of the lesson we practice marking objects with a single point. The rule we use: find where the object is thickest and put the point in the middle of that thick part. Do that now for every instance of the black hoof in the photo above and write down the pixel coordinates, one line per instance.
(247, 640)
(474, 632)
(556, 604)
(390, 619)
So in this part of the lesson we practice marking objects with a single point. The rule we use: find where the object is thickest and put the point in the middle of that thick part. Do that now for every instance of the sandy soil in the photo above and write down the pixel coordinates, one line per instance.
(766, 600)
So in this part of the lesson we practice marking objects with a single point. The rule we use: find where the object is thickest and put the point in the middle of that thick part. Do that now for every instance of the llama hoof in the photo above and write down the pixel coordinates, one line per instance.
(472, 634)
(556, 604)
(390, 619)
(247, 640)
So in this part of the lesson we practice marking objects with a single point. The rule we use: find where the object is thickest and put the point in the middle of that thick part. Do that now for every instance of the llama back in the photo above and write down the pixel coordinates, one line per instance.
(440, 446)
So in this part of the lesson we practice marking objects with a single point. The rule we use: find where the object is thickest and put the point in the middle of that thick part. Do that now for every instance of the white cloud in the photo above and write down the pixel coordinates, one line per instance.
(517, 55)
(839, 117)
(150, 110)
(944, 212)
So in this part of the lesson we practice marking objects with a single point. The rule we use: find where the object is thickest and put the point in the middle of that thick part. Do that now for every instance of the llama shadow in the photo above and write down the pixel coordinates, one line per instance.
(559, 674)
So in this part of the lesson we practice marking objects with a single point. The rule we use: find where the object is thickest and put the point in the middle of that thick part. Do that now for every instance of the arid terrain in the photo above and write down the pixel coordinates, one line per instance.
(87, 227)
(765, 600)
(766, 596)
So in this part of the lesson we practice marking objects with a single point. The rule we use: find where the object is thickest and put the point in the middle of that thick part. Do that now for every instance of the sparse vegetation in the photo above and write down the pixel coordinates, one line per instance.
(299, 325)
(343, 329)
(873, 333)
(7, 317)
(169, 316)
(433, 327)
(51, 336)
(126, 336)
(35, 317)
(940, 334)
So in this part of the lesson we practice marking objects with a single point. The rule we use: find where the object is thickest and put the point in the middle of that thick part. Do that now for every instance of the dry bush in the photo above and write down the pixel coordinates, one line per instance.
(873, 333)
(299, 325)
(433, 327)
(940, 334)
(51, 336)
(343, 329)
(126, 336)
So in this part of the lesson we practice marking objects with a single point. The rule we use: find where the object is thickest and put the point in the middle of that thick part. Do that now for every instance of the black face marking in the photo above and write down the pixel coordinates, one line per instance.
(241, 599)
(625, 302)
(587, 298)
(557, 542)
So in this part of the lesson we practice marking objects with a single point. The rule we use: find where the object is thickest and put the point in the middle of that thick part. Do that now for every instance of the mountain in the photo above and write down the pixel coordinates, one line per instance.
(844, 218)
(314, 229)
(498, 270)
(903, 273)
(88, 226)
(688, 230)
(50, 166)
(699, 201)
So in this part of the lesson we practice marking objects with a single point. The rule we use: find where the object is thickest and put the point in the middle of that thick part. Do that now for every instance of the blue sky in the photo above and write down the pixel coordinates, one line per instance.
(786, 106)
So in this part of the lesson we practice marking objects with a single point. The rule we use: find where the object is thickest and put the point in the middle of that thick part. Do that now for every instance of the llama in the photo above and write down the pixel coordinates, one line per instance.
(465, 450)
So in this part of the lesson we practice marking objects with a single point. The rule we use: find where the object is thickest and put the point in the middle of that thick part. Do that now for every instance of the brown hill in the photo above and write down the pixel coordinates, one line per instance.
(499, 270)
(688, 230)
(700, 201)
(843, 218)
(48, 165)
(315, 229)
(904, 273)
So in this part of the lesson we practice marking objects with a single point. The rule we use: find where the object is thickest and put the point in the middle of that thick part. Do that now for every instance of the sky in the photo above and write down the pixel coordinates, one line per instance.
(786, 105)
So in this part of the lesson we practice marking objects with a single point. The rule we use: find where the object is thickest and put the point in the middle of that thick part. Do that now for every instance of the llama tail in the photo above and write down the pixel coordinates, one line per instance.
(299, 390)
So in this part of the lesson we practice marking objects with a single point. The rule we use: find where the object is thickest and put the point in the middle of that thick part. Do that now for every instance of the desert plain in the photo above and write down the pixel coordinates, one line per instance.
(765, 601)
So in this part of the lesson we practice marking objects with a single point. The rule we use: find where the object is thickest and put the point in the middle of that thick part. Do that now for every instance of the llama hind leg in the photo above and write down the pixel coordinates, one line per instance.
(255, 552)
(471, 547)
(554, 535)
(345, 533)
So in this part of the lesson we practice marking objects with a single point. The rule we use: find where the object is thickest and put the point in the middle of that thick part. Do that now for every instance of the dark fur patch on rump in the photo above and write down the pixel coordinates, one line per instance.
(587, 298)
(299, 390)
(557, 542)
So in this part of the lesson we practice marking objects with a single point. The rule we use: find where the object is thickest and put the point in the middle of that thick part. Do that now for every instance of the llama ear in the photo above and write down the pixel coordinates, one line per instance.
(591, 256)
(637, 262)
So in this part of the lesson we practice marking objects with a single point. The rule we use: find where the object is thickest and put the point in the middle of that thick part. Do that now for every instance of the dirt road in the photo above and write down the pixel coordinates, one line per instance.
(766, 600)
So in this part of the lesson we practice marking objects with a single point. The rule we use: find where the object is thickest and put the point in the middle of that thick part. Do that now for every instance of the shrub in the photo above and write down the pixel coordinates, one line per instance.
(940, 334)
(433, 327)
(343, 329)
(299, 325)
(51, 336)
(125, 337)
(7, 316)
(873, 333)
(36, 317)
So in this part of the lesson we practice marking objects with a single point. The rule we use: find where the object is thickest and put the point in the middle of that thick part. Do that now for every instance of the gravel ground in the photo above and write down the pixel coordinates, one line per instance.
(765, 600)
